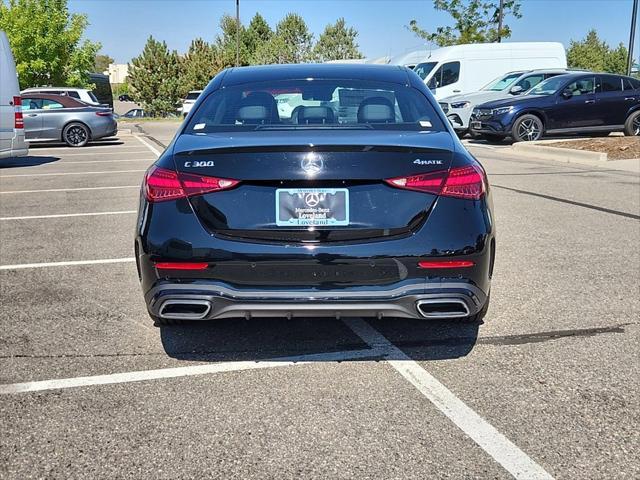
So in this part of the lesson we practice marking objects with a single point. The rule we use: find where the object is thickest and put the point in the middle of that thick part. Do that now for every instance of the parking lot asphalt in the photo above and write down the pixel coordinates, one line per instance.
(547, 387)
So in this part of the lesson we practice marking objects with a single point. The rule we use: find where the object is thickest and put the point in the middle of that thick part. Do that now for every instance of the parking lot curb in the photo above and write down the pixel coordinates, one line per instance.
(559, 154)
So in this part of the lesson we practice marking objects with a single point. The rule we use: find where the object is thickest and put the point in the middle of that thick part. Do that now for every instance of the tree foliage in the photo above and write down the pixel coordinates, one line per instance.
(475, 21)
(155, 78)
(225, 43)
(257, 34)
(337, 42)
(591, 53)
(199, 66)
(47, 44)
(296, 37)
(102, 62)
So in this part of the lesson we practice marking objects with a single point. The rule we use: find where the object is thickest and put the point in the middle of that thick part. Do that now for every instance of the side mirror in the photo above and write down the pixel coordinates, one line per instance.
(517, 90)
(567, 94)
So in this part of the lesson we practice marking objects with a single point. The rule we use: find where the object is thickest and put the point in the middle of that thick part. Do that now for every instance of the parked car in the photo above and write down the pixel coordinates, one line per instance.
(574, 103)
(461, 69)
(125, 98)
(362, 203)
(459, 107)
(102, 90)
(135, 113)
(188, 102)
(54, 118)
(82, 94)
(12, 142)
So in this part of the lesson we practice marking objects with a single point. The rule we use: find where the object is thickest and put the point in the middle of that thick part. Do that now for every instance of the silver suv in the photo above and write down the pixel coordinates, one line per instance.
(458, 108)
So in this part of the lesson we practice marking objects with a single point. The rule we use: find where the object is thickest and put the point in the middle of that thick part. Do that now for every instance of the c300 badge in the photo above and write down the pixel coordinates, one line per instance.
(203, 163)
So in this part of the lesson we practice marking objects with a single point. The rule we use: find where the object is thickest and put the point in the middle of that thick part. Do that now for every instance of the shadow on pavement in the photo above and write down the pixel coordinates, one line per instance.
(28, 161)
(96, 143)
(268, 338)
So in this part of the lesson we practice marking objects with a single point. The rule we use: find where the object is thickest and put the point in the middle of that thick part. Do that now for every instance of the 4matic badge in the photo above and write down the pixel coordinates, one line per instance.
(417, 161)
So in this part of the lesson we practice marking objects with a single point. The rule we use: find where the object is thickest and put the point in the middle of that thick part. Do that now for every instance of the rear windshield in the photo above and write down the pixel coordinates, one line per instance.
(315, 104)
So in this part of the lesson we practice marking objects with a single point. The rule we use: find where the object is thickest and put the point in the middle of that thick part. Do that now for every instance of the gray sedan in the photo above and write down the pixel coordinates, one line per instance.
(55, 118)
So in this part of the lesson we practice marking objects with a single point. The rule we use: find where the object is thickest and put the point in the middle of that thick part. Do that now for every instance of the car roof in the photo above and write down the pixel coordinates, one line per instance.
(271, 73)
(65, 100)
(48, 89)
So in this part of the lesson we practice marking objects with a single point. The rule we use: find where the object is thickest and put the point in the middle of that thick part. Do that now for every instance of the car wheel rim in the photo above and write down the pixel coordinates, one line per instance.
(529, 130)
(636, 125)
(76, 135)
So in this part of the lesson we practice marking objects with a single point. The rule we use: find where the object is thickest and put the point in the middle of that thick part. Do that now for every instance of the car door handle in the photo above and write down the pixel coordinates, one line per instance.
(32, 115)
(457, 91)
(589, 101)
(629, 98)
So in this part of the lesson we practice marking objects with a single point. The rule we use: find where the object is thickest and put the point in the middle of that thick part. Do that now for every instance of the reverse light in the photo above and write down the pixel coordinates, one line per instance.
(161, 184)
(461, 182)
(446, 264)
(18, 120)
(182, 265)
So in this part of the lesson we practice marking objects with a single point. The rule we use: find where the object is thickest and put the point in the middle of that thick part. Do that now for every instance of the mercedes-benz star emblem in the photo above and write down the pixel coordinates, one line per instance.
(312, 199)
(311, 164)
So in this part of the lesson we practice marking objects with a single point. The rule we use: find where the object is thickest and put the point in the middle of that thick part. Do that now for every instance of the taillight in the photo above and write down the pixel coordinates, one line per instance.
(446, 264)
(161, 184)
(17, 113)
(103, 114)
(182, 265)
(461, 182)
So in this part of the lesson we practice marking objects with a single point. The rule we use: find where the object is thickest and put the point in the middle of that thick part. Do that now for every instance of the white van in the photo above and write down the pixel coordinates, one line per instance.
(12, 142)
(467, 68)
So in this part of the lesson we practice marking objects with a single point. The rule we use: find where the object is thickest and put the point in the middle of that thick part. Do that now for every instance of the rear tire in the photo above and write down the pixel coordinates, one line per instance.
(527, 128)
(632, 125)
(75, 135)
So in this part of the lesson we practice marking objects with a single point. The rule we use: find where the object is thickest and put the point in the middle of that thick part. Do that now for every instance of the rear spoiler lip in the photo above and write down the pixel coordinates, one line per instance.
(314, 148)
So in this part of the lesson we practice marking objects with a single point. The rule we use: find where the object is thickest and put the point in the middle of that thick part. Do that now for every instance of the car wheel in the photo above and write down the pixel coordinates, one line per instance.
(75, 135)
(632, 125)
(527, 128)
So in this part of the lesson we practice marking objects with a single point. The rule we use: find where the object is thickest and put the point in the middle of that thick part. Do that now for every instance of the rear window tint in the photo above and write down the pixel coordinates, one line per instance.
(610, 84)
(631, 84)
(325, 103)
(192, 95)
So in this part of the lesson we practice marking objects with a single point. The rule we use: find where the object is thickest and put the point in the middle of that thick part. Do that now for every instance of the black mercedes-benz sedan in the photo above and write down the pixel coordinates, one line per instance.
(315, 190)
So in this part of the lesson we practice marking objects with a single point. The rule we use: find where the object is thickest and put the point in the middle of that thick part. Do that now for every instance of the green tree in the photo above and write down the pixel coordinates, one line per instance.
(337, 42)
(225, 43)
(102, 62)
(257, 34)
(272, 51)
(199, 66)
(475, 21)
(297, 39)
(47, 44)
(591, 53)
(154, 77)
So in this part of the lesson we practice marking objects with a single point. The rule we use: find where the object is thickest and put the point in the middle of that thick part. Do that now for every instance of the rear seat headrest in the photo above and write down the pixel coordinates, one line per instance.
(315, 115)
(376, 110)
(253, 114)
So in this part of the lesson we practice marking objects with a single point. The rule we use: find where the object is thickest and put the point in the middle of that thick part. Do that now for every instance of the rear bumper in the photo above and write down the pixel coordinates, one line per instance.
(213, 301)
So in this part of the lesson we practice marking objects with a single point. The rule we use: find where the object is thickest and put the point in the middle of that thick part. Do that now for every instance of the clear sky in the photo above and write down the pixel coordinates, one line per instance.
(122, 26)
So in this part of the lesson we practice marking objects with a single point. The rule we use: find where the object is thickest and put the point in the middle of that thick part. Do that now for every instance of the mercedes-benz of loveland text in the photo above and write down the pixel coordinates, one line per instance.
(360, 202)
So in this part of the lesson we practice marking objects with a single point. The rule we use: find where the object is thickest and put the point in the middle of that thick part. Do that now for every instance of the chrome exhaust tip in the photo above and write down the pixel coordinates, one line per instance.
(184, 309)
(443, 308)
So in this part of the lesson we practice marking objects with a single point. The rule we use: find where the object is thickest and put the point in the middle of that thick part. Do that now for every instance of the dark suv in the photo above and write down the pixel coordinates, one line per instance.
(573, 103)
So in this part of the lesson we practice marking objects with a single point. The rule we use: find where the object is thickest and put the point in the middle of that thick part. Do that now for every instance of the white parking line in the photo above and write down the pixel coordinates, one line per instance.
(88, 149)
(63, 215)
(79, 189)
(21, 266)
(101, 161)
(139, 150)
(145, 375)
(499, 447)
(68, 173)
(148, 145)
